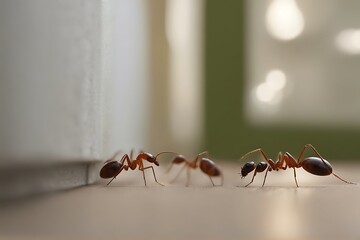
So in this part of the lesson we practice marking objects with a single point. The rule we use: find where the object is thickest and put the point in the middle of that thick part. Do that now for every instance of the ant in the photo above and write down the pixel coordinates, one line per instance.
(112, 168)
(314, 165)
(201, 161)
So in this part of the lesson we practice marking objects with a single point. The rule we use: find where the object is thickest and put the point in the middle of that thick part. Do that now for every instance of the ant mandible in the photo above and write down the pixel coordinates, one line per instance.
(112, 168)
(202, 161)
(314, 165)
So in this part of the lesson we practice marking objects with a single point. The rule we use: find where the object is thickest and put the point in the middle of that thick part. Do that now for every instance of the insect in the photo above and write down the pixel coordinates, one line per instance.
(314, 165)
(201, 161)
(112, 168)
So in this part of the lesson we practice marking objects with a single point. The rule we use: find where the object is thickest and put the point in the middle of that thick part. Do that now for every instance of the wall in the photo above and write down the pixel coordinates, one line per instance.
(72, 90)
(50, 80)
(125, 72)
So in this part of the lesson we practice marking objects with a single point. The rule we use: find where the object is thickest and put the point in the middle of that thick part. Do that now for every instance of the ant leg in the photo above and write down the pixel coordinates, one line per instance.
(187, 177)
(177, 160)
(110, 181)
(152, 168)
(205, 154)
(251, 179)
(169, 168)
(342, 179)
(143, 175)
(113, 157)
(141, 168)
(222, 180)
(318, 154)
(131, 153)
(295, 178)
(212, 181)
(267, 170)
(127, 159)
(280, 161)
(177, 175)
(171, 165)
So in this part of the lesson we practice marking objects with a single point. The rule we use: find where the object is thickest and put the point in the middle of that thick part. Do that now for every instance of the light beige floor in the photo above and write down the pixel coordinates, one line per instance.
(322, 208)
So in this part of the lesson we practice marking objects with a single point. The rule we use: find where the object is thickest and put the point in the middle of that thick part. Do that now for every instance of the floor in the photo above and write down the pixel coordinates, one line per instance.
(321, 208)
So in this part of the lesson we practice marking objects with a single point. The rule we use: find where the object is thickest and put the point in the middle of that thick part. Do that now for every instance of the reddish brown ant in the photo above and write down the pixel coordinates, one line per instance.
(112, 168)
(314, 165)
(201, 161)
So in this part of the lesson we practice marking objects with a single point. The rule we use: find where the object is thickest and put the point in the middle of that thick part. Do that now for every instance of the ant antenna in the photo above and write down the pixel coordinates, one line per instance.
(165, 152)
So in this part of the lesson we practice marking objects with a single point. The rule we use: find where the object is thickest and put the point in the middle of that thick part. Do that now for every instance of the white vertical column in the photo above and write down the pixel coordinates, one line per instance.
(126, 90)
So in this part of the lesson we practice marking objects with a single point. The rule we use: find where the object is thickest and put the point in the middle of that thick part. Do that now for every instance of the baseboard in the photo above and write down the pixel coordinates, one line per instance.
(21, 181)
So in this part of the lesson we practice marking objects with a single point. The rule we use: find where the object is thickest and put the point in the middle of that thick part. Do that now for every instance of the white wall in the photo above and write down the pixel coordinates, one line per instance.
(49, 80)
(73, 79)
(126, 76)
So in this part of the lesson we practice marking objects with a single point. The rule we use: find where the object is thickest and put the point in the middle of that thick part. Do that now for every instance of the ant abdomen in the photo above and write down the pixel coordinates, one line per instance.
(209, 167)
(316, 166)
(111, 169)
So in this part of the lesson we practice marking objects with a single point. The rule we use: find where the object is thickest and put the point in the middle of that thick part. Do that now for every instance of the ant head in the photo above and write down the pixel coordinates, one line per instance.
(150, 158)
(247, 168)
(111, 169)
(154, 161)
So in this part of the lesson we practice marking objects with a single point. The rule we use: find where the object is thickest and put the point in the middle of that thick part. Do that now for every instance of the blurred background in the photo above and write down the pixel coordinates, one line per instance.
(82, 79)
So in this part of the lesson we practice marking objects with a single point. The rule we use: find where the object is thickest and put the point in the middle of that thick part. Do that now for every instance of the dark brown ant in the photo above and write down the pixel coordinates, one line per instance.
(314, 165)
(202, 161)
(112, 168)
